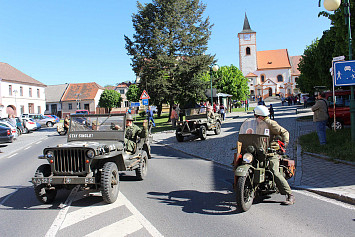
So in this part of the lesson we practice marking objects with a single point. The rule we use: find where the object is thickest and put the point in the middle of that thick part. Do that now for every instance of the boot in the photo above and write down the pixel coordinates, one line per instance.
(290, 199)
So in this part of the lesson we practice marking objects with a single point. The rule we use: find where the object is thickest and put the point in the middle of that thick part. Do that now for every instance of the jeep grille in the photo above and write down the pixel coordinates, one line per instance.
(69, 161)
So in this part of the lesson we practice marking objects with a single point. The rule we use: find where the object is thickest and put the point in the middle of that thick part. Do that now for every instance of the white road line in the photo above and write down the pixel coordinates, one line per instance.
(150, 228)
(12, 155)
(325, 199)
(28, 147)
(87, 212)
(62, 213)
(121, 228)
(39, 142)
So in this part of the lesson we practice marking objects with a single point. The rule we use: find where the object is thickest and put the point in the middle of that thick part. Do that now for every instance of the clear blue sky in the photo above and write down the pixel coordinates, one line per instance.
(70, 41)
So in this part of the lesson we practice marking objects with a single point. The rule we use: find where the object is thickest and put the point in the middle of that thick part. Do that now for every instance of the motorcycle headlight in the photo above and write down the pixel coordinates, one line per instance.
(247, 158)
(50, 154)
(90, 154)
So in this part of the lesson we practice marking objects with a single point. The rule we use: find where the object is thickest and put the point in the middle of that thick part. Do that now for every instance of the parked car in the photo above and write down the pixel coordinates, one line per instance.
(82, 111)
(16, 123)
(342, 108)
(30, 125)
(9, 125)
(41, 119)
(6, 134)
(53, 116)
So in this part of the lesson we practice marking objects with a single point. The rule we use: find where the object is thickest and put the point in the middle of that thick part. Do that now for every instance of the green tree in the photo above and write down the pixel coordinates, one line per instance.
(133, 93)
(168, 50)
(110, 99)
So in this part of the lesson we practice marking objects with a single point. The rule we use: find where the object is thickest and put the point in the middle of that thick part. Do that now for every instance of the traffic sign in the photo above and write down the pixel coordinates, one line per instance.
(145, 102)
(135, 104)
(145, 95)
(344, 73)
(339, 58)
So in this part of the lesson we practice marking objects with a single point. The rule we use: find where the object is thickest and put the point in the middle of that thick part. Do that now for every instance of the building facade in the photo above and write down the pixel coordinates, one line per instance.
(270, 72)
(20, 92)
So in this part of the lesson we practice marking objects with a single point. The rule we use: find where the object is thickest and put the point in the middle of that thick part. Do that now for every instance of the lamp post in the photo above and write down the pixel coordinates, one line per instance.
(15, 92)
(213, 68)
(332, 5)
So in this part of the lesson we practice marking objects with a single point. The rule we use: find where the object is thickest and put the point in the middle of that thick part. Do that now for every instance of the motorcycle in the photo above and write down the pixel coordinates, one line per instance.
(252, 176)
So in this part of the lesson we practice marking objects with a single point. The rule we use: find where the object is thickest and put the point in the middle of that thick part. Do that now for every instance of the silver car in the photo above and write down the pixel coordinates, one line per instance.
(41, 119)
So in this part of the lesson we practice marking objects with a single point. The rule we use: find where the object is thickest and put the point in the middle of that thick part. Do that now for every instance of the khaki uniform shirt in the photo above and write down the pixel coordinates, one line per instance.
(277, 130)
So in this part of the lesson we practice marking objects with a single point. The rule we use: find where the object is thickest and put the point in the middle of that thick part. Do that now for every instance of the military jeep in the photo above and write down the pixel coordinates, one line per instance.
(197, 123)
(92, 158)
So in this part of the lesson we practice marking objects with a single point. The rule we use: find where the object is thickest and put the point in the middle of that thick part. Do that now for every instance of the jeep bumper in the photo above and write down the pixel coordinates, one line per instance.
(63, 180)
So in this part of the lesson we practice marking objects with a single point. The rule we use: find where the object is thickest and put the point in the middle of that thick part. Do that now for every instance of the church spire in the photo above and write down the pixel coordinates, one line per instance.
(246, 26)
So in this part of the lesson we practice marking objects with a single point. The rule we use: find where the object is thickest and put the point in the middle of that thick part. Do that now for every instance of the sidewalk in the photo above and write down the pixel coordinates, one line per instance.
(313, 173)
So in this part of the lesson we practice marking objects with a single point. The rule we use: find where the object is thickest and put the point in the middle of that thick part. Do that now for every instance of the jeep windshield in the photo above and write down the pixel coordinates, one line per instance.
(195, 111)
(96, 127)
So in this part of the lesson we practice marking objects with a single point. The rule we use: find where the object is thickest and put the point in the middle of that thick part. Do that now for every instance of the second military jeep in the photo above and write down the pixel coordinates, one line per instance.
(92, 158)
(197, 122)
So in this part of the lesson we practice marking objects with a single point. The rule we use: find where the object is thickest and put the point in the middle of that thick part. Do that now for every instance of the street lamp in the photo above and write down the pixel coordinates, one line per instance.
(15, 92)
(332, 5)
(215, 69)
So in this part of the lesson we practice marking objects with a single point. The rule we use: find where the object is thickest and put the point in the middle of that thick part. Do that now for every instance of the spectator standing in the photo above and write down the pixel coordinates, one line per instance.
(246, 108)
(282, 100)
(320, 117)
(173, 117)
(150, 116)
(222, 111)
(261, 102)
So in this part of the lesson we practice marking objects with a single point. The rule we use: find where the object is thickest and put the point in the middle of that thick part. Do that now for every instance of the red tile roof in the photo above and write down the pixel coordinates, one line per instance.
(11, 74)
(273, 59)
(251, 75)
(86, 91)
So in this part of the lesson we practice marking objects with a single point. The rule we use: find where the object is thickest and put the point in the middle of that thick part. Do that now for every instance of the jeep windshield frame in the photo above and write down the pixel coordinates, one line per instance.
(85, 127)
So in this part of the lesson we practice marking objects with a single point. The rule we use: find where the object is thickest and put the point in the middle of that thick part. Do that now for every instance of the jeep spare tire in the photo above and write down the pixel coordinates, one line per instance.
(110, 182)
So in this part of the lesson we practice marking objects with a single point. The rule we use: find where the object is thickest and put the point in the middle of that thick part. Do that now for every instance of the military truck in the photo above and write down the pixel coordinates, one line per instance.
(92, 158)
(197, 123)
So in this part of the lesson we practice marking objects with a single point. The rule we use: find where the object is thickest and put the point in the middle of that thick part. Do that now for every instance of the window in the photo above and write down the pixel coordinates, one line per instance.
(280, 78)
(126, 103)
(10, 89)
(38, 94)
(30, 92)
(70, 106)
(39, 109)
(22, 109)
(122, 92)
(262, 78)
(47, 106)
(21, 91)
(247, 51)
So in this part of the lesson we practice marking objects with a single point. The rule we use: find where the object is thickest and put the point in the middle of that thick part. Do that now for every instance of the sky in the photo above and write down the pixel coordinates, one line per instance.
(77, 41)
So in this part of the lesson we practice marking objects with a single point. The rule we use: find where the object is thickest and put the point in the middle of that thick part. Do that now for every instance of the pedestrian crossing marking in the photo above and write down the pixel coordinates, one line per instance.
(121, 228)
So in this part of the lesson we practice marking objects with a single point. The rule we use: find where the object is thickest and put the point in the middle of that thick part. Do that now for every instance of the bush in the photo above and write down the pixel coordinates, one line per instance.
(238, 104)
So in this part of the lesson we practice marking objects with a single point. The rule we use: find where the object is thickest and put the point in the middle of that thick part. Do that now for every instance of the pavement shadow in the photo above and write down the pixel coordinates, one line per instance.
(192, 201)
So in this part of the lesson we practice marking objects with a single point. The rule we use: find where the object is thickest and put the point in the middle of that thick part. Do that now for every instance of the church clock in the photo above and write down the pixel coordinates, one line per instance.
(246, 36)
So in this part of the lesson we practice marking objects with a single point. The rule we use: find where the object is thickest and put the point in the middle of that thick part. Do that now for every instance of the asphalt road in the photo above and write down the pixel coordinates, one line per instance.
(182, 196)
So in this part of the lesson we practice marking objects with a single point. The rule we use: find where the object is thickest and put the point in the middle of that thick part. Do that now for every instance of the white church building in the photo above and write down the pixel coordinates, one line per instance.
(270, 72)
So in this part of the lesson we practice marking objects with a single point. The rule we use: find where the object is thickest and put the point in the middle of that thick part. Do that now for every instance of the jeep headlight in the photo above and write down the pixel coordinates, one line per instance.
(90, 154)
(49, 154)
(247, 157)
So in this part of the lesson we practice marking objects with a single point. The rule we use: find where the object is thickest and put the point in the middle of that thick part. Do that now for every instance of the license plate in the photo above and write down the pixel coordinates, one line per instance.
(42, 180)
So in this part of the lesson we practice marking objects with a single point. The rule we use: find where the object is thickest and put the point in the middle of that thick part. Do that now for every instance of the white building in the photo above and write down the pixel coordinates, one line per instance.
(270, 72)
(20, 92)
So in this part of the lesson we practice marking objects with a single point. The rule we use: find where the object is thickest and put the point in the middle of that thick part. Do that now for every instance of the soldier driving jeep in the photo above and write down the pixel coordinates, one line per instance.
(132, 132)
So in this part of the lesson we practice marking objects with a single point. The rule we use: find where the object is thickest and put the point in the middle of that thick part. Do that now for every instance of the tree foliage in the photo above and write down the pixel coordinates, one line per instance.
(110, 99)
(133, 93)
(168, 49)
(317, 58)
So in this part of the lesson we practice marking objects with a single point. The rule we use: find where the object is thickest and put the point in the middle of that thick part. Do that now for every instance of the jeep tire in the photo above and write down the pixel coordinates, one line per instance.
(142, 169)
(43, 193)
(217, 130)
(203, 132)
(109, 182)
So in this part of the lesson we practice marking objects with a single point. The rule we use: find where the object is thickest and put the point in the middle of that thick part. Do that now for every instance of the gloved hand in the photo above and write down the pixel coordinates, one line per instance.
(145, 124)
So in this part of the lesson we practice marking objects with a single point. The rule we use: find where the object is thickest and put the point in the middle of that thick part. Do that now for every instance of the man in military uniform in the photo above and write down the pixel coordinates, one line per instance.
(261, 112)
(132, 132)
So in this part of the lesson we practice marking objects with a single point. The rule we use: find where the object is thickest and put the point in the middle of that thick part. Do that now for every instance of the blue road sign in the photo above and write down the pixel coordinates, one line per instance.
(135, 104)
(145, 102)
(344, 73)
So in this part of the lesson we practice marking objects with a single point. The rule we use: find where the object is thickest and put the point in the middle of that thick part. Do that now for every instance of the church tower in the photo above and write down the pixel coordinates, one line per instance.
(247, 49)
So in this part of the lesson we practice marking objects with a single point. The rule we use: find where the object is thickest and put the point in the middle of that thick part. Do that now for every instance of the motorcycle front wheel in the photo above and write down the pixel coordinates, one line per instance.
(245, 192)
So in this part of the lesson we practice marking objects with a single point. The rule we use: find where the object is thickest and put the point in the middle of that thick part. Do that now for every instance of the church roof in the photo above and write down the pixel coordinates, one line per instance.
(273, 59)
(251, 75)
(295, 60)
(246, 26)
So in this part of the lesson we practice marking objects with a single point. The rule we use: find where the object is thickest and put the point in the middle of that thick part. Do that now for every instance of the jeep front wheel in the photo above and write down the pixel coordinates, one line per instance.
(44, 194)
(203, 132)
(217, 130)
(110, 182)
(142, 169)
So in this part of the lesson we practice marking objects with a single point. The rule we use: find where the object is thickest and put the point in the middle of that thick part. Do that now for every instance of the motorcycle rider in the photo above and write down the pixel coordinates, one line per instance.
(261, 112)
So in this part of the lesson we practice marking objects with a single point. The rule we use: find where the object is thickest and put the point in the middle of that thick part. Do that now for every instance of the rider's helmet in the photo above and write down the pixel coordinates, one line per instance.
(261, 110)
(129, 117)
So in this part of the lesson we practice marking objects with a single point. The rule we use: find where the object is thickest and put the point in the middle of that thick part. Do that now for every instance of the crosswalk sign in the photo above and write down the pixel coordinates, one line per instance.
(144, 95)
